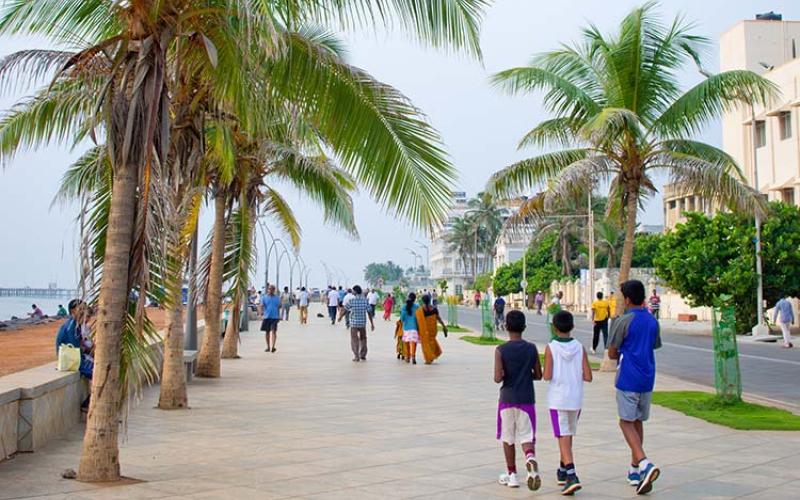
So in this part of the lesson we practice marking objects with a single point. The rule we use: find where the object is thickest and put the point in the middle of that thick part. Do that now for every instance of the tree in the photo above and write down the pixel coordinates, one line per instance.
(621, 116)
(482, 282)
(706, 258)
(609, 238)
(118, 79)
(541, 270)
(382, 273)
(646, 249)
(461, 239)
(486, 218)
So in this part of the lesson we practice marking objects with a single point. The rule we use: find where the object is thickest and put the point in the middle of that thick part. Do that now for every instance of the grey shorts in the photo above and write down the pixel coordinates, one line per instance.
(632, 406)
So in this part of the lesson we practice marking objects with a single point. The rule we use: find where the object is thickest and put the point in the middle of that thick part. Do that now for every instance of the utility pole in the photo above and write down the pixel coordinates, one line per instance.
(760, 329)
(590, 281)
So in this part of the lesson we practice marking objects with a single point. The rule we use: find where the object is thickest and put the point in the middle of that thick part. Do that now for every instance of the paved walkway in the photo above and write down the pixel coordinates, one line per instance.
(306, 422)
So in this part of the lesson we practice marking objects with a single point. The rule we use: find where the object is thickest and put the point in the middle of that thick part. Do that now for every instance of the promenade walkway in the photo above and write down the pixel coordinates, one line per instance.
(306, 422)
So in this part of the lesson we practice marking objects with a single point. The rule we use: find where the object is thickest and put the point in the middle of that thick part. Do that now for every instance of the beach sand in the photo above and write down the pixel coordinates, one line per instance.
(34, 345)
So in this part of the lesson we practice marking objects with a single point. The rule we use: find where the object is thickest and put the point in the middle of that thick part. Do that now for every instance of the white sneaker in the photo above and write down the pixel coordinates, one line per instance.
(594, 351)
(509, 480)
(534, 481)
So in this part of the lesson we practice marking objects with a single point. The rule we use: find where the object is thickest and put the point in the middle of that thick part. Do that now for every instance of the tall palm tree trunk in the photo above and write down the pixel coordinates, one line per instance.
(208, 364)
(230, 346)
(630, 235)
(173, 377)
(100, 454)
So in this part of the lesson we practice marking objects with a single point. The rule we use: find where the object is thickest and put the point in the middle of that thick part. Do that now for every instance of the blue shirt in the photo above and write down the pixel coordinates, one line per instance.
(409, 320)
(271, 304)
(636, 335)
(68, 334)
(784, 307)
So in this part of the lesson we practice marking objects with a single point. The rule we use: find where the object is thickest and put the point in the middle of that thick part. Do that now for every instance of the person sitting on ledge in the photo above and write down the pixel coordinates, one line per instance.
(62, 313)
(36, 313)
(71, 332)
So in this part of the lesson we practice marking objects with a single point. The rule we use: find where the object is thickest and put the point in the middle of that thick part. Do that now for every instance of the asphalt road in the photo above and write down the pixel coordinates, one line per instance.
(768, 371)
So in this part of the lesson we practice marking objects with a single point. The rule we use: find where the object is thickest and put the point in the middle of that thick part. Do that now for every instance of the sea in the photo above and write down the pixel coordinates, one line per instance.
(21, 306)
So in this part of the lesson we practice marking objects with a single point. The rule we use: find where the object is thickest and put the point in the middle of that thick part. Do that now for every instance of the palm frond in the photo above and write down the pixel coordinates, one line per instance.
(276, 207)
(517, 179)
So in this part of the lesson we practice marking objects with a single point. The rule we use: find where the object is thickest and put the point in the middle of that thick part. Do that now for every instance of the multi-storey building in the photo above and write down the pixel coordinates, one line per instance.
(770, 47)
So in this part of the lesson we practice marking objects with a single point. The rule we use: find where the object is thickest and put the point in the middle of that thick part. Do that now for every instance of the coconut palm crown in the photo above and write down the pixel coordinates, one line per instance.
(620, 117)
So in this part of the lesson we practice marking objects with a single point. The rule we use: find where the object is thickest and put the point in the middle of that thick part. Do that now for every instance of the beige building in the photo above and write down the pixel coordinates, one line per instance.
(772, 49)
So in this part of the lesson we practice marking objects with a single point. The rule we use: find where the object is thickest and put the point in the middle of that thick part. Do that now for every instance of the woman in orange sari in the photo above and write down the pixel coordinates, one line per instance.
(427, 319)
(400, 346)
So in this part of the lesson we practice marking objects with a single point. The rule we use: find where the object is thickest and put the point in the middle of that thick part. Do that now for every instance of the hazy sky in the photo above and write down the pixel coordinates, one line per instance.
(480, 128)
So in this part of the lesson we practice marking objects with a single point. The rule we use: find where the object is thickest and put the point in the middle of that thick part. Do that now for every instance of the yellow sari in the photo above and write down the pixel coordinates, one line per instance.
(401, 346)
(427, 334)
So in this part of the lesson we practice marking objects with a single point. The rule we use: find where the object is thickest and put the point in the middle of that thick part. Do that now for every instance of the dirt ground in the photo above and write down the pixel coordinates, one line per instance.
(35, 345)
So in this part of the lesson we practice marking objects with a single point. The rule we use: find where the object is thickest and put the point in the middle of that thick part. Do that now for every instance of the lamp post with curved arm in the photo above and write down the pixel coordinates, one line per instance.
(267, 250)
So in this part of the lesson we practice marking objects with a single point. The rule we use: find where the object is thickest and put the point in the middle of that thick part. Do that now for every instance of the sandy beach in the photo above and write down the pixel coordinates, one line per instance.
(34, 345)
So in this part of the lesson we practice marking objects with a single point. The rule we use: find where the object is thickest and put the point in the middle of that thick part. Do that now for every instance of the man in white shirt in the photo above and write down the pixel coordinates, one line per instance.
(345, 302)
(333, 304)
(302, 305)
(372, 300)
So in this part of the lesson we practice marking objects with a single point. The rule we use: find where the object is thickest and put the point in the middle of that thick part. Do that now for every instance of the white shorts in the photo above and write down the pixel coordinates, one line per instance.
(565, 422)
(516, 425)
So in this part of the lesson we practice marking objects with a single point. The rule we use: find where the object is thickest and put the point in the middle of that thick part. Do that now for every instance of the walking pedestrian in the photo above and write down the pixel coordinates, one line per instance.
(388, 304)
(345, 312)
(601, 311)
(286, 303)
(435, 298)
(516, 365)
(634, 338)
(358, 311)
(655, 304)
(302, 305)
(408, 315)
(477, 298)
(372, 300)
(428, 321)
(539, 301)
(333, 304)
(499, 308)
(566, 367)
(270, 310)
(784, 308)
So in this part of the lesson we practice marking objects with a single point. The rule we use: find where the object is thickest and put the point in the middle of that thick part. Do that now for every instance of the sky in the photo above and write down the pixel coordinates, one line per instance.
(480, 128)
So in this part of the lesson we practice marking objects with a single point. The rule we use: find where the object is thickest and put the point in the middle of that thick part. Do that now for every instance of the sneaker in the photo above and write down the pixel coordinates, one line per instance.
(648, 477)
(509, 480)
(273, 349)
(561, 476)
(572, 485)
(633, 478)
(356, 360)
(534, 481)
(594, 351)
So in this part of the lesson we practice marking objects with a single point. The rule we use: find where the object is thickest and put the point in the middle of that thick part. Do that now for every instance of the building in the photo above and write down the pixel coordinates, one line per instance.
(444, 263)
(448, 265)
(770, 47)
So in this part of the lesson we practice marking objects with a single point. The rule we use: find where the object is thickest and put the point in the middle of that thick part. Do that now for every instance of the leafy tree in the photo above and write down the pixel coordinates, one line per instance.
(705, 258)
(541, 270)
(482, 282)
(646, 249)
(388, 272)
(620, 116)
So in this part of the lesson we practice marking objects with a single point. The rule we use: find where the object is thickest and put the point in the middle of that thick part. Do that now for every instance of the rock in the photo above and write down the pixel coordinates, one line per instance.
(69, 474)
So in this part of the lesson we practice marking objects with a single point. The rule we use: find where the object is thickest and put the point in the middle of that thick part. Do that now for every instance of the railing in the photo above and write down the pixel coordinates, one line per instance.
(38, 292)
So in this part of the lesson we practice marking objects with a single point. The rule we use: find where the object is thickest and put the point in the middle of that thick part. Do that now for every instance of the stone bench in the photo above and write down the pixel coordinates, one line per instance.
(190, 364)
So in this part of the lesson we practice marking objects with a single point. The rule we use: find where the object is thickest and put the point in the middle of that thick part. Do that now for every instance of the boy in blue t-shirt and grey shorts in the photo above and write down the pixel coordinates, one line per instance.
(634, 338)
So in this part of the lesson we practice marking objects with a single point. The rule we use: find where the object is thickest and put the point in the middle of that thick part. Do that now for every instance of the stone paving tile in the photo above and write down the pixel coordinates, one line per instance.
(308, 423)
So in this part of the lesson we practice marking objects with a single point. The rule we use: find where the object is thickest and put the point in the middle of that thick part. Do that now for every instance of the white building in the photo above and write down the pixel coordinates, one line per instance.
(772, 49)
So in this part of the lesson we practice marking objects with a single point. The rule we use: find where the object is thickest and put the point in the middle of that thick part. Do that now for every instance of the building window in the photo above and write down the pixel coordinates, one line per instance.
(460, 289)
(785, 124)
(672, 205)
(787, 196)
(761, 134)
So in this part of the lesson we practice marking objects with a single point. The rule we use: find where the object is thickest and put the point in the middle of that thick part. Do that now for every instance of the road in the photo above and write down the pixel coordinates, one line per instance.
(768, 372)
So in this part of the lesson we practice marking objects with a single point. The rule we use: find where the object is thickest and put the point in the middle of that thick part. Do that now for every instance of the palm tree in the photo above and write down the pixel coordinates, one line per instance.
(620, 113)
(118, 79)
(461, 239)
(610, 238)
(487, 217)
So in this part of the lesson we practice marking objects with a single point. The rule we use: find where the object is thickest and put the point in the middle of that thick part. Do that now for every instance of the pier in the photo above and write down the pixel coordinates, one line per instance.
(38, 292)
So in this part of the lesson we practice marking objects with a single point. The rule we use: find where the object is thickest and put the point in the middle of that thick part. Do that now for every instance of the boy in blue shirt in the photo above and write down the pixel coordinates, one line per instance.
(634, 338)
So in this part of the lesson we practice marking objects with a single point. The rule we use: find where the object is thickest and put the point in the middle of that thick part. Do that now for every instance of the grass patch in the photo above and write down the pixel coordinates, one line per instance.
(456, 329)
(481, 340)
(739, 415)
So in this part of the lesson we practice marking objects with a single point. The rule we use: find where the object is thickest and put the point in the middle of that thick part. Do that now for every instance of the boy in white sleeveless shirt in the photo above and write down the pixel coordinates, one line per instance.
(566, 367)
